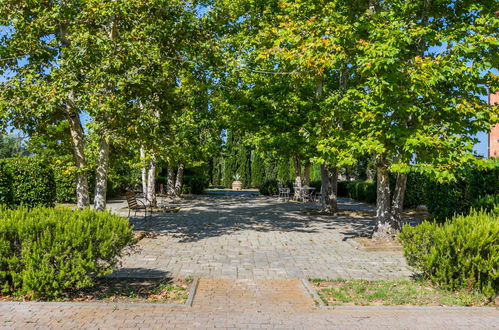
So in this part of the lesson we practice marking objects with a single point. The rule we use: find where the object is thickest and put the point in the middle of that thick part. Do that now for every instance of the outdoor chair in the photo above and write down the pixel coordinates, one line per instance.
(307, 193)
(136, 205)
(283, 192)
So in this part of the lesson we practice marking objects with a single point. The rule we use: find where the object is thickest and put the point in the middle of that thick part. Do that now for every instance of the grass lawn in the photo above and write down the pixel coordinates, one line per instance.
(402, 292)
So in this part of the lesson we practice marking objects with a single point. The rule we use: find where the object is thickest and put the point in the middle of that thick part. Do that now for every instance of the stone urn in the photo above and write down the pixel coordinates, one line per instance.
(237, 184)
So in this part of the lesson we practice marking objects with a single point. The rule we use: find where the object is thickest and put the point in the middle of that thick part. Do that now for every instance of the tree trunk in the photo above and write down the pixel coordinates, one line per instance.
(151, 181)
(170, 182)
(180, 177)
(383, 228)
(329, 179)
(398, 201)
(101, 175)
(77, 142)
(143, 170)
(297, 163)
(333, 193)
(306, 173)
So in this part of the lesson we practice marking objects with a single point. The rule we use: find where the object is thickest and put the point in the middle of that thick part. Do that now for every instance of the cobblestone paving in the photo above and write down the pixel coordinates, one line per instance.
(248, 237)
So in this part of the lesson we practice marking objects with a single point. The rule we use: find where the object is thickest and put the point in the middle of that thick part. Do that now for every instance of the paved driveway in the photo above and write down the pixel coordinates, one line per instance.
(244, 236)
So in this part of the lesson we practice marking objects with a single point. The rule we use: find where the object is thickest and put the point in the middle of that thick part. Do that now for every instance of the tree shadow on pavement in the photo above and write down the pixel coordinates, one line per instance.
(212, 216)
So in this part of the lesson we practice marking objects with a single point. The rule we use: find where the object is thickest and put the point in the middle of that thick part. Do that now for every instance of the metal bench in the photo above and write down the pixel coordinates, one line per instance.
(135, 204)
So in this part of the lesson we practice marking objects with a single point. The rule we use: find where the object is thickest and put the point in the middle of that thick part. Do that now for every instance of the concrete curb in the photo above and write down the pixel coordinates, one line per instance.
(311, 291)
(320, 304)
(192, 292)
(188, 302)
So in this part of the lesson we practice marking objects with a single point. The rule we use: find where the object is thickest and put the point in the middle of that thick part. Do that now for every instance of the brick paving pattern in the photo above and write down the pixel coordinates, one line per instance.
(239, 304)
(248, 237)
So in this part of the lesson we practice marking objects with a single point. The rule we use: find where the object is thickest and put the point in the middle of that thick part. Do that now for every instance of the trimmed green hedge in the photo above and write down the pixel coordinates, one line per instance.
(65, 186)
(46, 251)
(364, 191)
(460, 254)
(31, 182)
(444, 200)
(5, 185)
(194, 184)
(269, 188)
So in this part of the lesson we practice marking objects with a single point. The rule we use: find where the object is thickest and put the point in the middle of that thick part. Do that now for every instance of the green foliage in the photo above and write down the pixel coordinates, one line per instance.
(446, 199)
(257, 169)
(10, 146)
(194, 184)
(5, 186)
(416, 191)
(269, 188)
(46, 251)
(460, 254)
(316, 184)
(364, 191)
(489, 203)
(217, 171)
(65, 187)
(32, 181)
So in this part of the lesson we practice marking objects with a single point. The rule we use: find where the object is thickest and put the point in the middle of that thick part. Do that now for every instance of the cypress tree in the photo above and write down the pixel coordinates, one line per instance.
(244, 164)
(257, 169)
(270, 171)
(230, 159)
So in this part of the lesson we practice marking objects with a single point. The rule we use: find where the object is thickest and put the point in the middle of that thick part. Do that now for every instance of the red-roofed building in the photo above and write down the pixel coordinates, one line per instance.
(494, 132)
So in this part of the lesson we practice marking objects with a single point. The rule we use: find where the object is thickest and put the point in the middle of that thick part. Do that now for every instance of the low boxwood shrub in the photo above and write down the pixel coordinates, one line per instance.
(364, 191)
(44, 252)
(32, 181)
(459, 254)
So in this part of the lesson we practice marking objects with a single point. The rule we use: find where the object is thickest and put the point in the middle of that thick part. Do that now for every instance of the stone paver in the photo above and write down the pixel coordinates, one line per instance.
(239, 304)
(248, 237)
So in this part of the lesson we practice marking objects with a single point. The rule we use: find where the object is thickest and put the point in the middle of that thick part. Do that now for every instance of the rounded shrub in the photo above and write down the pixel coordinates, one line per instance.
(32, 181)
(459, 254)
(44, 252)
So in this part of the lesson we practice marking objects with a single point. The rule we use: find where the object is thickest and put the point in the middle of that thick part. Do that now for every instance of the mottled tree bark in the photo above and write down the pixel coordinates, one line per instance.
(170, 181)
(77, 142)
(143, 170)
(101, 175)
(297, 167)
(306, 173)
(329, 179)
(180, 178)
(151, 181)
(398, 201)
(383, 228)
